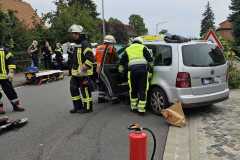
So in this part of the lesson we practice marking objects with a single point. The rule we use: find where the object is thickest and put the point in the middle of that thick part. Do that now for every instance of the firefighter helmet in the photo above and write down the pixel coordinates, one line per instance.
(75, 29)
(35, 43)
(109, 39)
(138, 40)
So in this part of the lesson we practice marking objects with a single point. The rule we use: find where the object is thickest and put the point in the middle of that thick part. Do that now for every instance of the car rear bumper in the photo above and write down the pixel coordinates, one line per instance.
(190, 101)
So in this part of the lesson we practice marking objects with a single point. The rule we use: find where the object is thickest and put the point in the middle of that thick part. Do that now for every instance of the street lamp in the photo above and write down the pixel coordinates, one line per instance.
(103, 20)
(159, 23)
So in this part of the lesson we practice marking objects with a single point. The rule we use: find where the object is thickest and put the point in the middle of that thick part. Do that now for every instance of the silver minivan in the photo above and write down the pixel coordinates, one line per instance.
(194, 73)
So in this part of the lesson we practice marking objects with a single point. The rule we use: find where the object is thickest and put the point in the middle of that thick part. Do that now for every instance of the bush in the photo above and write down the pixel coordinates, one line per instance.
(233, 71)
(234, 78)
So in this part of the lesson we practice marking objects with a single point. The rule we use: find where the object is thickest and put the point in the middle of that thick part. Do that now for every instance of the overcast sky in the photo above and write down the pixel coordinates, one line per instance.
(183, 16)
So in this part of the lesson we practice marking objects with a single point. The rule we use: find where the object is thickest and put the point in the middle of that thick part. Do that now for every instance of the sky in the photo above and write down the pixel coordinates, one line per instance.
(181, 17)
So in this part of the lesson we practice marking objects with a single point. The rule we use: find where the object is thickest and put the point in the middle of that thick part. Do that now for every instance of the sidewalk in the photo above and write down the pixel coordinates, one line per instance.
(212, 133)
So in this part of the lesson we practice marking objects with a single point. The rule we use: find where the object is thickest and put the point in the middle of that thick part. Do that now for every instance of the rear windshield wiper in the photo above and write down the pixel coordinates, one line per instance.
(196, 65)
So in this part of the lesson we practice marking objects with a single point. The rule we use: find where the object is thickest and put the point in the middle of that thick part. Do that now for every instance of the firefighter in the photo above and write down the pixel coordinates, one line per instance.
(111, 57)
(82, 70)
(33, 52)
(59, 56)
(7, 68)
(47, 55)
(137, 59)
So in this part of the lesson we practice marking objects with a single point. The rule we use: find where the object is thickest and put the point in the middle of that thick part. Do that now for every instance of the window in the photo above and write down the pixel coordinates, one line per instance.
(202, 55)
(162, 54)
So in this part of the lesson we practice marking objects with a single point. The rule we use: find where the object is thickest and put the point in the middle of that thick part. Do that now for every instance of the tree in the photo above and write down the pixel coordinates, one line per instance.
(235, 19)
(208, 20)
(65, 16)
(87, 5)
(13, 33)
(137, 23)
(116, 28)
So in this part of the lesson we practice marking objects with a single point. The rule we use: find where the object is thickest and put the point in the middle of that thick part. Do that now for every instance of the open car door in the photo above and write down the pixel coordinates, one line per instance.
(115, 82)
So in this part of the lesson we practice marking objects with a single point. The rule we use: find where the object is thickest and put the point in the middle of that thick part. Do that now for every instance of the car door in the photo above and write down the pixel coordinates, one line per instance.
(115, 82)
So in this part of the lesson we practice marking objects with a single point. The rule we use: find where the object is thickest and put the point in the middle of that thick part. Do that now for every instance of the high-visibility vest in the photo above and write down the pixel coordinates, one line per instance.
(100, 53)
(135, 54)
(80, 53)
(4, 67)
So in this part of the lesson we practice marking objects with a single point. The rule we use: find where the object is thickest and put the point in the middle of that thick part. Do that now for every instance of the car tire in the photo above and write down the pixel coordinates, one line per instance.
(158, 100)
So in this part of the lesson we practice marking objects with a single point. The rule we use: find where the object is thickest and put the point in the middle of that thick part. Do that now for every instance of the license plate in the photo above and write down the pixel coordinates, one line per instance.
(207, 81)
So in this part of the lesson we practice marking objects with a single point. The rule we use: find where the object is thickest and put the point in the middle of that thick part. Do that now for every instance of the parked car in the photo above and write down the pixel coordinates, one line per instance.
(194, 73)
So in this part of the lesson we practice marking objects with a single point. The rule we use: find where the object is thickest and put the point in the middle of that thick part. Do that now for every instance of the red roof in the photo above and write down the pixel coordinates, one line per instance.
(24, 11)
(225, 25)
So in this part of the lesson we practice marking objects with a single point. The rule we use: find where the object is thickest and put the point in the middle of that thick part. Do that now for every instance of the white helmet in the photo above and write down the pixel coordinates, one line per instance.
(58, 45)
(75, 29)
(138, 40)
(109, 39)
(35, 43)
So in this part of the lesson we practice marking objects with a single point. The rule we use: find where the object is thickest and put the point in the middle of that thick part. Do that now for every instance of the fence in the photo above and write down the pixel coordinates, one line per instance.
(22, 60)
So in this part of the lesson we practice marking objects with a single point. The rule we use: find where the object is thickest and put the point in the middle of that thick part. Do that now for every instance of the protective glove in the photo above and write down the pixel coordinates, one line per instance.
(10, 75)
(150, 75)
(84, 68)
(121, 69)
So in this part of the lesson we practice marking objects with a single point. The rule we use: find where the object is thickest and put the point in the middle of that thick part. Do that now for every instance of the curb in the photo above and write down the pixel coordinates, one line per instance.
(183, 143)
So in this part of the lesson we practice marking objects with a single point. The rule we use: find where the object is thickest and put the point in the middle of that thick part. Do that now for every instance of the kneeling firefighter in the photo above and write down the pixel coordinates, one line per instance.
(137, 58)
(82, 70)
(7, 68)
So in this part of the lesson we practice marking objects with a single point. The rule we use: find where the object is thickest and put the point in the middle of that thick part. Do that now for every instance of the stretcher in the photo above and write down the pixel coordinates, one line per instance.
(43, 76)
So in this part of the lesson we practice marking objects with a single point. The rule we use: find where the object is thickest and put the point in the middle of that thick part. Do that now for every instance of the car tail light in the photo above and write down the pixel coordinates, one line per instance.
(183, 80)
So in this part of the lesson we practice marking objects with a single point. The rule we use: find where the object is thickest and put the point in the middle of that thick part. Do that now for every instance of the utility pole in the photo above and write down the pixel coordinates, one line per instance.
(159, 23)
(103, 20)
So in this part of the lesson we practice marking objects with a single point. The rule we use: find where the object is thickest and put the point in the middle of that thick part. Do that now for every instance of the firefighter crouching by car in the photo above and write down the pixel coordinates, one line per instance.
(7, 68)
(111, 56)
(59, 56)
(137, 59)
(82, 70)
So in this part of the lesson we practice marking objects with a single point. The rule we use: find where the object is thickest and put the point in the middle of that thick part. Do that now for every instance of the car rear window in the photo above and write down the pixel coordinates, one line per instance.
(162, 54)
(202, 55)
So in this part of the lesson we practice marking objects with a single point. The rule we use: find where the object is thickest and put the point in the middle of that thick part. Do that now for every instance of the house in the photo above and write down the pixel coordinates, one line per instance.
(226, 30)
(24, 11)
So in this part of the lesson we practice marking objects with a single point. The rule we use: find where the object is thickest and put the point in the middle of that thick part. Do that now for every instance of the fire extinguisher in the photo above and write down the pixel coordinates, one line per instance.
(138, 142)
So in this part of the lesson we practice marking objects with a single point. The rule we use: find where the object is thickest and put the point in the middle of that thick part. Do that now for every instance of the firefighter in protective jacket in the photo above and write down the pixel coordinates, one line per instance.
(59, 56)
(7, 68)
(108, 52)
(82, 70)
(137, 59)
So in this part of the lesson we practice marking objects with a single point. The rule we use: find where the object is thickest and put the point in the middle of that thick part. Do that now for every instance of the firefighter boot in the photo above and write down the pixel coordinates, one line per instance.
(17, 107)
(77, 107)
(2, 109)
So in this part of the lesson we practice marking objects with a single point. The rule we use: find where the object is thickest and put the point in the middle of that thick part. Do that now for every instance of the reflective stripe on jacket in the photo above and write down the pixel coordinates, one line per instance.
(6, 63)
(82, 56)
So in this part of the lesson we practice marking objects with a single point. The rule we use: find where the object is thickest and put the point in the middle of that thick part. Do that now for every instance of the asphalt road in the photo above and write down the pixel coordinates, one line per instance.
(54, 134)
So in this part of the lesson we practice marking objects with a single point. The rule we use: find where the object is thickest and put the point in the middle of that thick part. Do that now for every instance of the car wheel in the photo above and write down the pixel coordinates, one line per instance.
(158, 100)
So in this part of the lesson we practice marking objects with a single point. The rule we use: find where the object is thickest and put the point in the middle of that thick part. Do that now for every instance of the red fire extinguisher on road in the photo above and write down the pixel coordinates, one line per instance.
(138, 139)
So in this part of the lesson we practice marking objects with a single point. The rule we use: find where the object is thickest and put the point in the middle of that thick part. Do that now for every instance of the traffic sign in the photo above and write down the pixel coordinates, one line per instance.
(212, 37)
